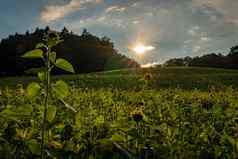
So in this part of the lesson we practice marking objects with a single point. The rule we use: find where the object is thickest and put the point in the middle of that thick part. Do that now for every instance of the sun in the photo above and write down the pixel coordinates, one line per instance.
(141, 49)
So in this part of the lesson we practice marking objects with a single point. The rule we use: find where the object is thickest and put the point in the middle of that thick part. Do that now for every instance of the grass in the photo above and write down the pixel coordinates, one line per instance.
(174, 77)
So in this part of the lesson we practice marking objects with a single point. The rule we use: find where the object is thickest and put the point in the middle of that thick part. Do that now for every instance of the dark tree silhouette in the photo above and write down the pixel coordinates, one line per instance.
(234, 50)
(88, 53)
(209, 60)
(64, 32)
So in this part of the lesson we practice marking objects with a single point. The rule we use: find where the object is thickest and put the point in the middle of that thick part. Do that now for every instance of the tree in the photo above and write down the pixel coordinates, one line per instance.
(106, 41)
(233, 57)
(88, 53)
(47, 29)
(234, 50)
(85, 33)
(64, 31)
(209, 60)
(37, 30)
(27, 33)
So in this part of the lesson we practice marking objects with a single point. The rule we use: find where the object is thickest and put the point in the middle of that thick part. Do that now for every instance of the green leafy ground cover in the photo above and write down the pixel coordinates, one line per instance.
(143, 113)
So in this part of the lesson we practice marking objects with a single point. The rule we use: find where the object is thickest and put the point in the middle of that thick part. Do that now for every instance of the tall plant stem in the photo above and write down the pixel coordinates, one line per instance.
(47, 90)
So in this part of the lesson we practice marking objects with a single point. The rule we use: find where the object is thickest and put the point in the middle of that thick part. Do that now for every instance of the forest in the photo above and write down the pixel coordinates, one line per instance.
(87, 53)
(219, 60)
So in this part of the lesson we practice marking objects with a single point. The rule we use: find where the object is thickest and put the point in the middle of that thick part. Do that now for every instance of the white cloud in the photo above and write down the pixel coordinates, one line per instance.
(228, 8)
(188, 41)
(205, 39)
(193, 31)
(55, 12)
(134, 4)
(136, 22)
(196, 49)
(150, 14)
(212, 3)
(115, 9)
(100, 20)
(213, 18)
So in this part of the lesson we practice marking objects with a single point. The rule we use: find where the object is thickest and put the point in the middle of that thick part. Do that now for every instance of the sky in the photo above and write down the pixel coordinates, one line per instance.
(173, 28)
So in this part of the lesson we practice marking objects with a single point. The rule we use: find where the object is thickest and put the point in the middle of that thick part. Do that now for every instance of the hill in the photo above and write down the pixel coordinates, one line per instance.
(87, 53)
(161, 78)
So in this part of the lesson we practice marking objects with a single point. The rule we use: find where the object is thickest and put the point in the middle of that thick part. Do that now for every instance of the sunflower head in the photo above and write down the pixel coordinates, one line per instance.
(137, 115)
(148, 77)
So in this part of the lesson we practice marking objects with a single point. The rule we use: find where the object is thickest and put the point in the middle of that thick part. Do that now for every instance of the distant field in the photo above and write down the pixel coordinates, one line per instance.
(170, 77)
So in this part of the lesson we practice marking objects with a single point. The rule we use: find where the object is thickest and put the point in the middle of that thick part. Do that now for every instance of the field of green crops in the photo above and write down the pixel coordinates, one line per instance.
(161, 113)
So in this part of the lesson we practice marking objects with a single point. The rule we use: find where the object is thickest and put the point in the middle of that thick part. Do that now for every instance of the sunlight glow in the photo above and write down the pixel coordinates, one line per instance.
(148, 65)
(141, 49)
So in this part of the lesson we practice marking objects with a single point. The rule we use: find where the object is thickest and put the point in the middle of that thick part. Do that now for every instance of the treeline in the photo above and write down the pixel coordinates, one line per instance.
(86, 52)
(209, 60)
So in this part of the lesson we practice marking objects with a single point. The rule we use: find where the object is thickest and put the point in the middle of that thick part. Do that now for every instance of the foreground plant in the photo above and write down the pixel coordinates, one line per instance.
(45, 52)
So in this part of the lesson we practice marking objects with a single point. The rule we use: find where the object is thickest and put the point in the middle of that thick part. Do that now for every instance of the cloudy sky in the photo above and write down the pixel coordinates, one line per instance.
(173, 28)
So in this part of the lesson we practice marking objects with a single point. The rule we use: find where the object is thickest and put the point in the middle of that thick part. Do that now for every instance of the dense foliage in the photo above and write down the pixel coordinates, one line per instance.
(141, 121)
(111, 123)
(87, 53)
(209, 60)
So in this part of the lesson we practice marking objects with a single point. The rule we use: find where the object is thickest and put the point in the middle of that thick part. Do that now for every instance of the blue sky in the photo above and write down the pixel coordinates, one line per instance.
(175, 28)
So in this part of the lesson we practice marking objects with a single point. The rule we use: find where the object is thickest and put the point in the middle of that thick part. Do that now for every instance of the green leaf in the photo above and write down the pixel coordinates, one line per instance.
(99, 120)
(41, 75)
(56, 144)
(40, 45)
(64, 65)
(24, 110)
(117, 138)
(91, 157)
(231, 140)
(60, 89)
(132, 132)
(51, 113)
(33, 90)
(8, 114)
(77, 118)
(15, 113)
(33, 146)
(3, 125)
(37, 53)
(69, 146)
(52, 56)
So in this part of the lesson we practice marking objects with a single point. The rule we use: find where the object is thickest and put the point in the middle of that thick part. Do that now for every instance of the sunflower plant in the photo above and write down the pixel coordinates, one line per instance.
(47, 88)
